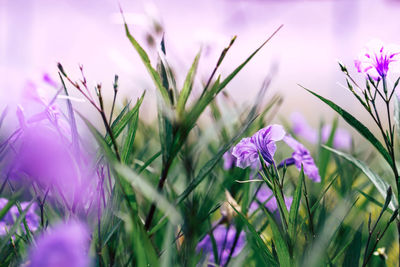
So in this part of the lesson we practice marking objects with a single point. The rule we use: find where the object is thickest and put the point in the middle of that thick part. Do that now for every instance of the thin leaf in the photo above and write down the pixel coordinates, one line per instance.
(294, 208)
(378, 182)
(356, 124)
(151, 193)
(262, 247)
(187, 86)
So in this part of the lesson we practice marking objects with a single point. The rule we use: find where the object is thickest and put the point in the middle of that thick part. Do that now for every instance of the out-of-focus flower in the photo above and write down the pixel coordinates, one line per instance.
(375, 58)
(63, 246)
(246, 151)
(341, 140)
(225, 239)
(44, 157)
(32, 219)
(265, 195)
(301, 128)
(301, 156)
(381, 252)
(229, 160)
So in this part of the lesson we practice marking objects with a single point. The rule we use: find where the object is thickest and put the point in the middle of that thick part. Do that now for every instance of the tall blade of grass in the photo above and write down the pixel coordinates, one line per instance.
(266, 253)
(325, 154)
(146, 61)
(187, 86)
(118, 126)
(353, 253)
(377, 181)
(149, 192)
(240, 67)
(356, 124)
(294, 208)
(14, 228)
(208, 167)
(281, 246)
(128, 145)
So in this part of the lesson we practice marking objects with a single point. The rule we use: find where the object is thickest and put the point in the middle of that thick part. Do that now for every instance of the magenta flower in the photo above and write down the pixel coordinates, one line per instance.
(375, 58)
(65, 245)
(225, 240)
(265, 195)
(301, 156)
(263, 141)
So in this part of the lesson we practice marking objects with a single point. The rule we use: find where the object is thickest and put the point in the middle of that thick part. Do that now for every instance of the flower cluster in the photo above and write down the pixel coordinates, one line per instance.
(247, 151)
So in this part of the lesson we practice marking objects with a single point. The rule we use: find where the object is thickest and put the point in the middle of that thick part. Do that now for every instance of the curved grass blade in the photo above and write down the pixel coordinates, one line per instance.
(266, 253)
(356, 124)
(187, 86)
(294, 208)
(378, 182)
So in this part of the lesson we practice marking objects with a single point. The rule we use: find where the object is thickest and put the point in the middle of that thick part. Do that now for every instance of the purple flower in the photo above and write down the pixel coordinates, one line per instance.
(301, 156)
(65, 245)
(225, 239)
(375, 58)
(265, 195)
(45, 157)
(301, 128)
(246, 151)
(341, 140)
(32, 219)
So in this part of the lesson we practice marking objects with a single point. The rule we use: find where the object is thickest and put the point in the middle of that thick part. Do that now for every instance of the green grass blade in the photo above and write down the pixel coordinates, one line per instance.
(281, 246)
(187, 86)
(356, 124)
(14, 228)
(378, 182)
(151, 193)
(146, 61)
(352, 257)
(128, 145)
(325, 154)
(294, 208)
(207, 168)
(118, 127)
(262, 247)
(240, 67)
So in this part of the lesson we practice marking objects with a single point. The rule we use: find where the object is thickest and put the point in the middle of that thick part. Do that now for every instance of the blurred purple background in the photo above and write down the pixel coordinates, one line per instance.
(35, 35)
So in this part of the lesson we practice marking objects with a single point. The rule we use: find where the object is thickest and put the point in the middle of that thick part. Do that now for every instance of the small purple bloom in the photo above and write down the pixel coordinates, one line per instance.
(301, 156)
(246, 151)
(341, 140)
(375, 58)
(65, 245)
(32, 219)
(265, 195)
(224, 238)
(301, 128)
